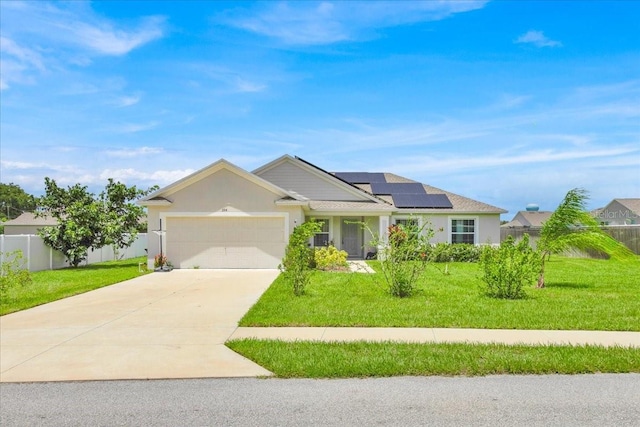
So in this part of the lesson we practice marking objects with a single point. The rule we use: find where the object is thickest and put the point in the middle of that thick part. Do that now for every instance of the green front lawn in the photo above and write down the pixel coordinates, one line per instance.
(306, 359)
(52, 285)
(580, 294)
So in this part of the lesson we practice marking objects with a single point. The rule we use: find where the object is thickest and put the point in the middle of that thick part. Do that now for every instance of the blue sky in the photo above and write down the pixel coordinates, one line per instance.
(509, 103)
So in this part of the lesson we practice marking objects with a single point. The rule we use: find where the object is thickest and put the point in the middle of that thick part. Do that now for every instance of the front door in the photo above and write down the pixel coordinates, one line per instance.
(352, 236)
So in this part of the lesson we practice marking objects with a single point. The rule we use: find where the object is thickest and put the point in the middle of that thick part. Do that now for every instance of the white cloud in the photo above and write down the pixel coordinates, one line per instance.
(247, 86)
(8, 164)
(537, 38)
(62, 34)
(104, 39)
(135, 127)
(24, 54)
(160, 177)
(233, 79)
(493, 160)
(318, 23)
(134, 152)
(18, 63)
(128, 101)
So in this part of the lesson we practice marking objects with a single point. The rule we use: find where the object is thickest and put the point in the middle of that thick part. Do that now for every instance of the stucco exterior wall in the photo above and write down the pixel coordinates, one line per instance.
(221, 193)
(487, 226)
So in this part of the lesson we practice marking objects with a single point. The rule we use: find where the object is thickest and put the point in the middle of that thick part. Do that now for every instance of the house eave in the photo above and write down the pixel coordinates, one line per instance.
(164, 202)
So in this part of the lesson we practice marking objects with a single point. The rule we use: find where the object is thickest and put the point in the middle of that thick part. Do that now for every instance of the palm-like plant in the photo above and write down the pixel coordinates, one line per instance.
(572, 227)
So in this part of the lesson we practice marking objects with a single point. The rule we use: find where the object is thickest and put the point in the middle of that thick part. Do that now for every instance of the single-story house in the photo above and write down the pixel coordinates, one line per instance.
(225, 217)
(27, 223)
(619, 212)
(528, 219)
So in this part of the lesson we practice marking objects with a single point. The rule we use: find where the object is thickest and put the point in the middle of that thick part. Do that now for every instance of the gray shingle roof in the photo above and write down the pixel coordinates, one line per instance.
(529, 219)
(460, 203)
(29, 218)
(632, 204)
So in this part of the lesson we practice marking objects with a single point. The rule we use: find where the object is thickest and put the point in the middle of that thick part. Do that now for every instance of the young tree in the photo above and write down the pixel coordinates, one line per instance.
(403, 256)
(14, 200)
(296, 264)
(506, 270)
(89, 222)
(121, 216)
(79, 220)
(572, 227)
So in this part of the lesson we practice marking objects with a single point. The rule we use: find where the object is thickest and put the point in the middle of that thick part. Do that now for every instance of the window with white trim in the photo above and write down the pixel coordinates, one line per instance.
(322, 237)
(463, 231)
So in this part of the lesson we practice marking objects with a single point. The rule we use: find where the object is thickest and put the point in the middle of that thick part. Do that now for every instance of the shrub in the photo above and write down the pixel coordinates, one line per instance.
(457, 252)
(330, 258)
(510, 267)
(160, 261)
(403, 257)
(12, 272)
(298, 257)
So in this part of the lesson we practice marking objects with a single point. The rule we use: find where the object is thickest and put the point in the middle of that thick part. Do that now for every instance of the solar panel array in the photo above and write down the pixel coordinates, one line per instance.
(361, 177)
(435, 201)
(404, 194)
(389, 189)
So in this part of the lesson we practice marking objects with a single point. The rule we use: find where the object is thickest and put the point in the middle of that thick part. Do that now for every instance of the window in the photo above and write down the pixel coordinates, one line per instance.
(463, 231)
(407, 222)
(322, 238)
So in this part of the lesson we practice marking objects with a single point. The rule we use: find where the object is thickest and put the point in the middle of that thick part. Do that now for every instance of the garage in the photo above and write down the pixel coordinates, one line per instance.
(225, 242)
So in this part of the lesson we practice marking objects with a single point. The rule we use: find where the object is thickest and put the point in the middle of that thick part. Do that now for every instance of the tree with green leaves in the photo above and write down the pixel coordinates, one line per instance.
(121, 216)
(572, 227)
(86, 222)
(298, 257)
(403, 254)
(78, 217)
(14, 201)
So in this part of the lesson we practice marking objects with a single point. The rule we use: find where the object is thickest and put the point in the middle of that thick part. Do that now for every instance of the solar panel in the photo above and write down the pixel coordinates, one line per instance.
(397, 188)
(437, 201)
(361, 177)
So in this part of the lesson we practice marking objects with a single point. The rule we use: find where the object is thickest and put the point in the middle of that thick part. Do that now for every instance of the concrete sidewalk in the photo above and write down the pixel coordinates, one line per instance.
(440, 335)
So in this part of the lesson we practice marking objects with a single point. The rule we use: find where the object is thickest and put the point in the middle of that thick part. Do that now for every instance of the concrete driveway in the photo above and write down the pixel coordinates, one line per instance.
(162, 325)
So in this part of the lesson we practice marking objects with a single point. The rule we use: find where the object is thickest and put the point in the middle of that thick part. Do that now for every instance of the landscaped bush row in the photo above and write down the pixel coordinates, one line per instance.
(456, 252)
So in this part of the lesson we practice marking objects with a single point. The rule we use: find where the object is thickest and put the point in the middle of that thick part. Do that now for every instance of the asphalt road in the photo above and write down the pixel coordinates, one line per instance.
(581, 400)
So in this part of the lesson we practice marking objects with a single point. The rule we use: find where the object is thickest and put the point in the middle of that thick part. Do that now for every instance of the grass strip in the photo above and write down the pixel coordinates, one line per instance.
(51, 285)
(581, 294)
(308, 359)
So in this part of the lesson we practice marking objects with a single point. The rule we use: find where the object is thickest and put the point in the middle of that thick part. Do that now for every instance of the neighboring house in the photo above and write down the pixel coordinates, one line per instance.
(528, 219)
(225, 217)
(619, 212)
(525, 222)
(27, 223)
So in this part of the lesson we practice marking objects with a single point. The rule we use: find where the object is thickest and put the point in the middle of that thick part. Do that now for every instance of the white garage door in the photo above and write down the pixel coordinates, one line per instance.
(246, 242)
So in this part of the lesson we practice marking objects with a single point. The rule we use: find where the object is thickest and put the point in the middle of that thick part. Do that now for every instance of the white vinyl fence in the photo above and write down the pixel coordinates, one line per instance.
(39, 256)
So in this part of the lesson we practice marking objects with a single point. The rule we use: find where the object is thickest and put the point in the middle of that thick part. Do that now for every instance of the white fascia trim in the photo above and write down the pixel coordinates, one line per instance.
(154, 202)
(319, 212)
(476, 229)
(213, 168)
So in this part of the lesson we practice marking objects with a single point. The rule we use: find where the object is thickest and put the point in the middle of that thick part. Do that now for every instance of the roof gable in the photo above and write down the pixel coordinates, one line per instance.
(632, 204)
(303, 178)
(161, 197)
(529, 219)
